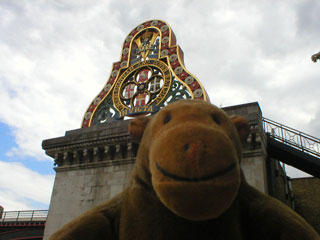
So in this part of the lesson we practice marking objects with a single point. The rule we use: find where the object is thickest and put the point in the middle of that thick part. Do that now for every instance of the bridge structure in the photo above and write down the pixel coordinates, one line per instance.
(293, 147)
(22, 225)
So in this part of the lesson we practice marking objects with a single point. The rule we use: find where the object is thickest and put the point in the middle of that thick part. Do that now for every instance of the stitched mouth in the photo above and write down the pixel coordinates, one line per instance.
(200, 179)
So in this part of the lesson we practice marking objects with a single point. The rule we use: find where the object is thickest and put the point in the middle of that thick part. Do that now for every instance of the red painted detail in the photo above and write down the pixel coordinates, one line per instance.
(22, 224)
(173, 38)
(172, 50)
(143, 75)
(141, 99)
(116, 66)
(175, 64)
(111, 81)
(194, 85)
(160, 24)
(183, 75)
(165, 34)
(126, 44)
(85, 123)
(133, 32)
(147, 24)
(164, 46)
(124, 57)
(129, 90)
(92, 106)
(181, 54)
(102, 94)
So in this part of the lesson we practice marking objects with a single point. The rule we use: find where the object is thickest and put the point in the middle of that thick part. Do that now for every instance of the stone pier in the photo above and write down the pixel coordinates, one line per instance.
(94, 164)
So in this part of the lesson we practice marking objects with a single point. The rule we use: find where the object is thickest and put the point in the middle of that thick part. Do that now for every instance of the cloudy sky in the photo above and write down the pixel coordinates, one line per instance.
(55, 57)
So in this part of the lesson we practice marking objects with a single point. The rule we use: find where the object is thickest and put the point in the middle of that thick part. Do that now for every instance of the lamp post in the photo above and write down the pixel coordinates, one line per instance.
(315, 57)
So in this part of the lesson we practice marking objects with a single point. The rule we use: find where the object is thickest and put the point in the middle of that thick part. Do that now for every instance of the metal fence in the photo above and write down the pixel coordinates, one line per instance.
(21, 216)
(292, 137)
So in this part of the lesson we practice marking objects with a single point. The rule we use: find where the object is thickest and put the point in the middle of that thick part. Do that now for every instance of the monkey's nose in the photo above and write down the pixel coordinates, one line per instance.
(193, 148)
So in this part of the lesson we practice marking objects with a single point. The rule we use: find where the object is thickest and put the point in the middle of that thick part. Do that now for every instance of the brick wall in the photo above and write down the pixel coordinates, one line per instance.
(306, 193)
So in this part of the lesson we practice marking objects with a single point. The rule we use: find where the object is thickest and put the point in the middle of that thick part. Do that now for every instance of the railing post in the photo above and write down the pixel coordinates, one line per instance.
(282, 135)
(301, 144)
(18, 216)
(32, 215)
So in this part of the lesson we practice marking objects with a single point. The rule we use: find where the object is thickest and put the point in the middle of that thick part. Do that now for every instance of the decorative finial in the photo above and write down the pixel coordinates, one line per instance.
(315, 57)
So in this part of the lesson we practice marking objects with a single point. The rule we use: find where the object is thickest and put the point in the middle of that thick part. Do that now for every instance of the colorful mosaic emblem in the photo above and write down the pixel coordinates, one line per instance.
(150, 75)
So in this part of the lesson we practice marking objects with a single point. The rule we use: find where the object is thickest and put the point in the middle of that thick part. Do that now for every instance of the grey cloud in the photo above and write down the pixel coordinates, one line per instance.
(308, 19)
(314, 125)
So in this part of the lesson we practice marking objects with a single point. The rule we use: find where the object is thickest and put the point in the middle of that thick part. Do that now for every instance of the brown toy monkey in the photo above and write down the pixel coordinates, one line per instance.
(187, 184)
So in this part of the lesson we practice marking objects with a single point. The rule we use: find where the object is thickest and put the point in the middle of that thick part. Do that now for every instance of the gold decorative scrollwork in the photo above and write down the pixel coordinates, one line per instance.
(145, 83)
(149, 75)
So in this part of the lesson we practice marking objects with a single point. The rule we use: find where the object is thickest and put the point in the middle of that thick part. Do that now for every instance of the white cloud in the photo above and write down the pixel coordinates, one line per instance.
(21, 188)
(50, 75)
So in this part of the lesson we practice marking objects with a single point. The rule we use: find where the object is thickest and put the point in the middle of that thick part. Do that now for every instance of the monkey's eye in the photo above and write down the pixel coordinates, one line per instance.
(167, 119)
(216, 119)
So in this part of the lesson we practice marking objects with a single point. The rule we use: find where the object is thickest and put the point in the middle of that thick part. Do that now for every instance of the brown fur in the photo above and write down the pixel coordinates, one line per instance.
(187, 184)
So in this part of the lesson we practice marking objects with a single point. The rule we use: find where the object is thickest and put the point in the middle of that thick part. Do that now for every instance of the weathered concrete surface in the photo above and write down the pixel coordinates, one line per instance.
(76, 191)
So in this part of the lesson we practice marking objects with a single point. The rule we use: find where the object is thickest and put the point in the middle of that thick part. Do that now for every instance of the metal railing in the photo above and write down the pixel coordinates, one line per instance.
(292, 137)
(21, 216)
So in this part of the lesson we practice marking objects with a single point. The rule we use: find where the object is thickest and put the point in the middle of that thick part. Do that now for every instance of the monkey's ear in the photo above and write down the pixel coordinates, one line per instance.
(137, 126)
(242, 125)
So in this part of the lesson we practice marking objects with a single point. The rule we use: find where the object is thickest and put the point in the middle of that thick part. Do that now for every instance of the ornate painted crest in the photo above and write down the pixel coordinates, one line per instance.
(150, 75)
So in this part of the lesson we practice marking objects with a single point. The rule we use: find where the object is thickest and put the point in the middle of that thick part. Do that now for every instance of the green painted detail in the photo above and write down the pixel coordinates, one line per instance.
(177, 92)
(106, 113)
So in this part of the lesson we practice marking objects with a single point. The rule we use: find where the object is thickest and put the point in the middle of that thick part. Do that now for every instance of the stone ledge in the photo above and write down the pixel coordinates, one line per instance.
(95, 165)
(117, 131)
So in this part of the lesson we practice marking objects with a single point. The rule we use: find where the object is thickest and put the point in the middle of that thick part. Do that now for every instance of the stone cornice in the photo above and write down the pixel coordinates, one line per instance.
(91, 146)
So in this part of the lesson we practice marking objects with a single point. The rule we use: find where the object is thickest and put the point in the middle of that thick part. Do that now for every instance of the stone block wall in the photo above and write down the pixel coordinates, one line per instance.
(253, 166)
(254, 150)
(76, 191)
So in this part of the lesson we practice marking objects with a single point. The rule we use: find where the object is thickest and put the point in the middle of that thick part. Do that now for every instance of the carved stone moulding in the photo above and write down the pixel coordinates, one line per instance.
(110, 144)
(120, 153)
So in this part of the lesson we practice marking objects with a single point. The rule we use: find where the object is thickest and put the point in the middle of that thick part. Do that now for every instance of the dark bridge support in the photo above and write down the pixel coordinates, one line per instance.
(294, 157)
